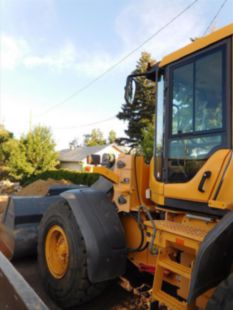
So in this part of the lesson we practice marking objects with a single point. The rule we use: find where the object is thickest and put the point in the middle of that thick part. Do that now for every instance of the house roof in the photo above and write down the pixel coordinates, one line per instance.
(80, 153)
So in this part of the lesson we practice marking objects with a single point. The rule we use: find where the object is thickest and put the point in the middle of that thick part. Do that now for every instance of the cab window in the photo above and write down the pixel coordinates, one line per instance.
(197, 114)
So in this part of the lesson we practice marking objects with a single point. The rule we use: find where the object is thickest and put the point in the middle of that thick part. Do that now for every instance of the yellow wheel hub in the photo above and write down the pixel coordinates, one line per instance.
(57, 251)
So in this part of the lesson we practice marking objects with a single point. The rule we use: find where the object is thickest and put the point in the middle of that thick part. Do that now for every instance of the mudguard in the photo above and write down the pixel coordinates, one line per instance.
(55, 190)
(97, 218)
(214, 259)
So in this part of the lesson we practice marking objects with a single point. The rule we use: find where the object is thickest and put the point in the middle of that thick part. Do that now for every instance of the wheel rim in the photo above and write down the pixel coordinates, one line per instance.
(57, 251)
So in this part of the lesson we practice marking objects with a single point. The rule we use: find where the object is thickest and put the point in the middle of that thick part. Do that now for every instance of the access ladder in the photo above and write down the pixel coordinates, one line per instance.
(174, 243)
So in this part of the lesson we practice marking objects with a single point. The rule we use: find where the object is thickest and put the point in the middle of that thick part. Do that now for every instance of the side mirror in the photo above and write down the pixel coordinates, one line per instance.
(108, 160)
(130, 89)
(93, 159)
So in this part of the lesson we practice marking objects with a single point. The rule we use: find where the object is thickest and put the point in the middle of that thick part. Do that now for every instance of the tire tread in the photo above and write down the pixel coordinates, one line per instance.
(81, 290)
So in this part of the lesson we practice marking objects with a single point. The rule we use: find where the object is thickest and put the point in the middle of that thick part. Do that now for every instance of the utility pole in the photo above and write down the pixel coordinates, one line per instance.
(30, 121)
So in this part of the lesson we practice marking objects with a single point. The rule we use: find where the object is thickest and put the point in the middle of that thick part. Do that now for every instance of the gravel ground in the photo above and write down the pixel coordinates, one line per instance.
(113, 298)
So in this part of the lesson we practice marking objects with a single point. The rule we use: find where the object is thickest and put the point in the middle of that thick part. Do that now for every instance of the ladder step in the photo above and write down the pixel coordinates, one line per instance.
(177, 268)
(169, 301)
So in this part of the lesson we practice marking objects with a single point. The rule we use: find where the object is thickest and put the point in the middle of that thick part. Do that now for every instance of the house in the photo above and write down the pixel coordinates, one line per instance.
(76, 158)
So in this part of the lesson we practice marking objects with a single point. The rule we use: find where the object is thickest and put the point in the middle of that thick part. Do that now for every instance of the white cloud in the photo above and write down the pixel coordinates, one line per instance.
(12, 51)
(93, 65)
(63, 59)
(16, 52)
(68, 57)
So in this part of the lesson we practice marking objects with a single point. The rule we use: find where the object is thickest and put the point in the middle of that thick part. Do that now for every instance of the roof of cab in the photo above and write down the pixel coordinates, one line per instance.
(198, 45)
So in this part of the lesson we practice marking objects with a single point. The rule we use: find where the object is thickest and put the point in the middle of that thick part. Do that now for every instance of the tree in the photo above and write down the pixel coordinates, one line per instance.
(5, 136)
(95, 138)
(147, 144)
(16, 160)
(32, 154)
(40, 149)
(140, 112)
(112, 136)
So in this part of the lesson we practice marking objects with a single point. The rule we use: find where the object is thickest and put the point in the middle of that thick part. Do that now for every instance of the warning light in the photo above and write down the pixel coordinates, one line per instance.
(180, 241)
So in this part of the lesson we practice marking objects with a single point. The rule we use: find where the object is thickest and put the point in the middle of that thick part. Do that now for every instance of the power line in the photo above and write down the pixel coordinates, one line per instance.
(214, 18)
(89, 124)
(80, 90)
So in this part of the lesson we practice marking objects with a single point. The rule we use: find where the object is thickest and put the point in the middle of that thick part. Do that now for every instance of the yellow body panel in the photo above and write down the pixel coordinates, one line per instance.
(107, 173)
(225, 195)
(156, 187)
(132, 183)
(189, 190)
(197, 45)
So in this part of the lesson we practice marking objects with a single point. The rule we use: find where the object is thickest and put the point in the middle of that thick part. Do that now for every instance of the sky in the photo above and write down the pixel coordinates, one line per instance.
(50, 49)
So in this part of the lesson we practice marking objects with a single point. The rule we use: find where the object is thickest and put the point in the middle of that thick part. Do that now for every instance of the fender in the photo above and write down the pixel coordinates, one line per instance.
(214, 259)
(101, 228)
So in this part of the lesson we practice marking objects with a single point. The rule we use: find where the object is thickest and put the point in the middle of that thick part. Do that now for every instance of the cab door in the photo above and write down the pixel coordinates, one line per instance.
(198, 124)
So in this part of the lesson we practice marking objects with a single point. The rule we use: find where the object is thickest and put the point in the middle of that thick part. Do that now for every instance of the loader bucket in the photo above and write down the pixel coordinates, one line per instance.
(7, 242)
(23, 216)
(15, 292)
(24, 213)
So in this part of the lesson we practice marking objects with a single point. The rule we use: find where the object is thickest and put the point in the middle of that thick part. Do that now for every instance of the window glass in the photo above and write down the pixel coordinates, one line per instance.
(208, 92)
(197, 114)
(182, 103)
(159, 128)
(187, 156)
(159, 115)
(194, 148)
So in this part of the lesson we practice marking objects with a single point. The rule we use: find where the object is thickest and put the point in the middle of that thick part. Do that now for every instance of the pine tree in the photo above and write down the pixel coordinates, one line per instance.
(140, 112)
(147, 144)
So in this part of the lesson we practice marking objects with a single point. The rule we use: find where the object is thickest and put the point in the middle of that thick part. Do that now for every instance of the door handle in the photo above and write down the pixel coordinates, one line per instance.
(206, 175)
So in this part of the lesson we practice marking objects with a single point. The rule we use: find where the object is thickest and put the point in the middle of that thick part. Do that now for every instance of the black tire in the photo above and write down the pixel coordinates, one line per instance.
(222, 298)
(74, 287)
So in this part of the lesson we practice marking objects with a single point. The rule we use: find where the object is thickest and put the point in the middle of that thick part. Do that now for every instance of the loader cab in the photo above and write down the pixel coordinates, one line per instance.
(193, 112)
(193, 130)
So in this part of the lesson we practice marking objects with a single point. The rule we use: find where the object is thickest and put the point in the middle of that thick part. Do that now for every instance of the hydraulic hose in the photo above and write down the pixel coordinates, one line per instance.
(150, 218)
(143, 208)
(140, 247)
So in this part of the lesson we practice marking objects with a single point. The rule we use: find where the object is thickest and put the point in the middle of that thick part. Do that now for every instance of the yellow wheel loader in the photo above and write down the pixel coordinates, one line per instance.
(171, 219)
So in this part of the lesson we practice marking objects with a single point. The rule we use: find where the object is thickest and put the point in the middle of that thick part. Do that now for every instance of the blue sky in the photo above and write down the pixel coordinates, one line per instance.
(51, 48)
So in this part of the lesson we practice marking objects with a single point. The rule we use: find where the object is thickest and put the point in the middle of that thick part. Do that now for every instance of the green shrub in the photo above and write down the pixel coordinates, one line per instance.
(72, 176)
